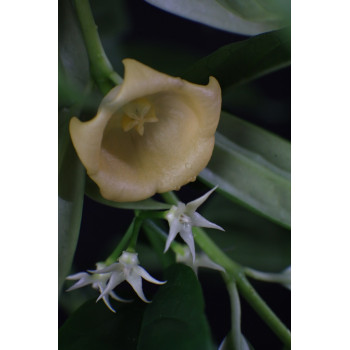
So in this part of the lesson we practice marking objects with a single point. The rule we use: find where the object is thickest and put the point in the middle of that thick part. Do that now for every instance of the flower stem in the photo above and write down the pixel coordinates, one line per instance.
(236, 271)
(245, 288)
(236, 336)
(101, 69)
(135, 233)
(121, 246)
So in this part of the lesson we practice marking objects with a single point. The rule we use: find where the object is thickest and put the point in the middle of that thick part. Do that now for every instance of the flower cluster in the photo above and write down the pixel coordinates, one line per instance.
(106, 278)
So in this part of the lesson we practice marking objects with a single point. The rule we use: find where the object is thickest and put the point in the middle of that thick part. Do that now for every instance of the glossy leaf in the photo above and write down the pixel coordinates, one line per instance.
(71, 181)
(249, 239)
(244, 60)
(93, 192)
(93, 326)
(252, 166)
(211, 13)
(176, 319)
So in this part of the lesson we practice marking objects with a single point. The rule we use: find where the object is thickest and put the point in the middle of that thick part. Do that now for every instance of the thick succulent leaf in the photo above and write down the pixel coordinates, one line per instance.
(93, 192)
(71, 181)
(93, 327)
(244, 60)
(176, 319)
(211, 13)
(252, 166)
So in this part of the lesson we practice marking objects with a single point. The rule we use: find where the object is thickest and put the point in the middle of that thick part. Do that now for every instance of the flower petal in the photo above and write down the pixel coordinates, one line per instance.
(191, 207)
(199, 221)
(145, 275)
(118, 298)
(106, 301)
(135, 282)
(84, 280)
(186, 235)
(176, 144)
(115, 279)
(77, 276)
(204, 261)
(175, 228)
(111, 268)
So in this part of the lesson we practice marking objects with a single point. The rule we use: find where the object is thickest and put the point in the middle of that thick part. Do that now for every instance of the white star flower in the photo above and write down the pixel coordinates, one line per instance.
(202, 260)
(129, 270)
(97, 281)
(182, 217)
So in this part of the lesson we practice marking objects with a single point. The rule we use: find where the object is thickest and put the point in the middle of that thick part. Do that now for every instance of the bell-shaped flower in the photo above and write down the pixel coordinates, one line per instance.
(129, 270)
(97, 281)
(201, 260)
(182, 217)
(152, 134)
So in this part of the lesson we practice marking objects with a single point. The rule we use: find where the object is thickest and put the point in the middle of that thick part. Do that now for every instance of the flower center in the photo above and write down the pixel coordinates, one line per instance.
(136, 114)
(184, 219)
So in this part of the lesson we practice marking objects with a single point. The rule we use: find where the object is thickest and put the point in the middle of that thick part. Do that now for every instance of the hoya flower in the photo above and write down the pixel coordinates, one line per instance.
(129, 270)
(201, 260)
(182, 217)
(152, 134)
(98, 281)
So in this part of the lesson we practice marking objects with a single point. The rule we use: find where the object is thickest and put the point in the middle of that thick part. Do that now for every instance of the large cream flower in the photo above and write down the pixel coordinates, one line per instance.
(153, 133)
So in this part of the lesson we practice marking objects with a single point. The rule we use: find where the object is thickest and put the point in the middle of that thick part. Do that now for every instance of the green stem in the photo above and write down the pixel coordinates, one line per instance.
(135, 233)
(237, 272)
(236, 335)
(246, 289)
(101, 69)
(121, 246)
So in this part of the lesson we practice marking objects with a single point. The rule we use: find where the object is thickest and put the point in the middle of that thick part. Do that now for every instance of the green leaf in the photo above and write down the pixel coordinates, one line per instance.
(251, 166)
(175, 319)
(93, 192)
(93, 326)
(243, 61)
(249, 239)
(73, 70)
(211, 13)
(71, 183)
(262, 11)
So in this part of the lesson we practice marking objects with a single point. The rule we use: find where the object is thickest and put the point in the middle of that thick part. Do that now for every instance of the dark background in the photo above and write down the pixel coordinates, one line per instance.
(169, 43)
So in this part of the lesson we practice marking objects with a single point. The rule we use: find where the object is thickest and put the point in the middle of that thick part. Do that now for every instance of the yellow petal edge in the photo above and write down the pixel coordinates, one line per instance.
(153, 133)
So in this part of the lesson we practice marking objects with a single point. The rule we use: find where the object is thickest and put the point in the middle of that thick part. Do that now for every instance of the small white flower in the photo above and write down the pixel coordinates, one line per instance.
(127, 269)
(182, 217)
(97, 281)
(202, 260)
